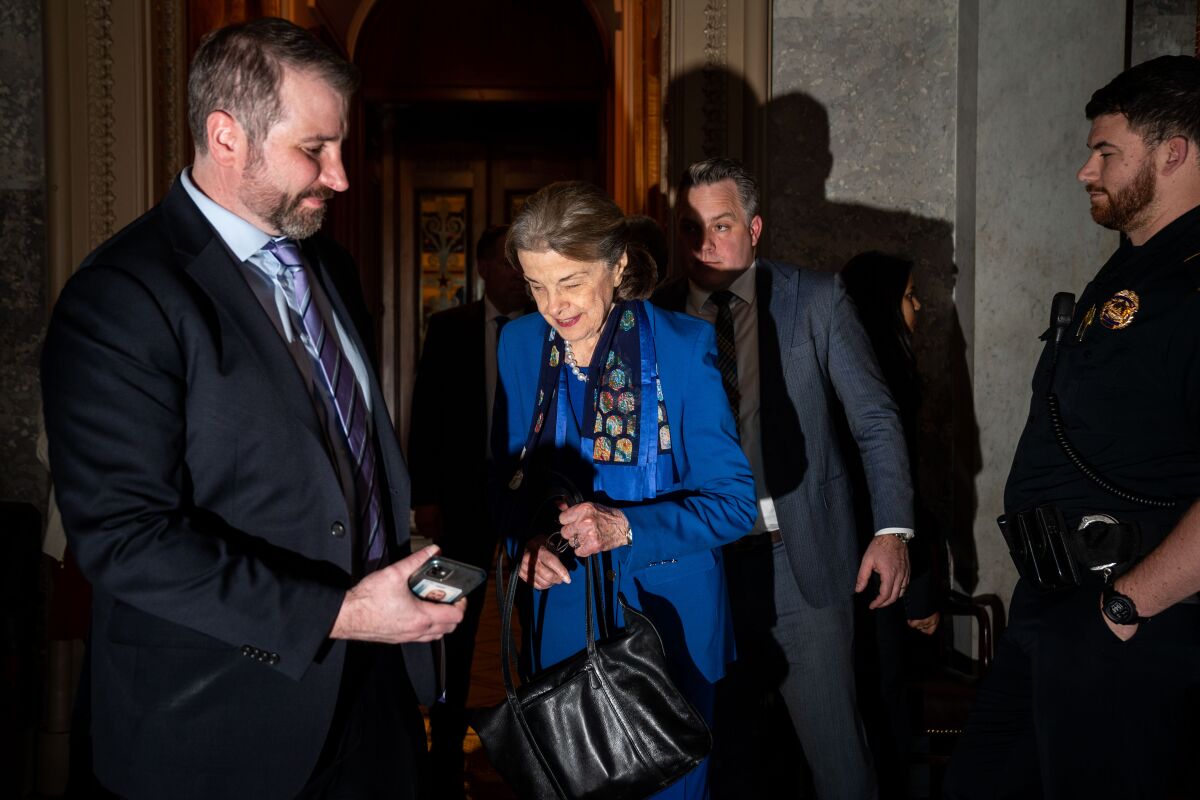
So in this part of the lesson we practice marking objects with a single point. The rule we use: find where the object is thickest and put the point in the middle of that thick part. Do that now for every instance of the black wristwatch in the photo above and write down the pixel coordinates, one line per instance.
(1119, 608)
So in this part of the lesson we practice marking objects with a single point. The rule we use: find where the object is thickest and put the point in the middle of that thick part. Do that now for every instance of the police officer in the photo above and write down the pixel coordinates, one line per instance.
(1086, 695)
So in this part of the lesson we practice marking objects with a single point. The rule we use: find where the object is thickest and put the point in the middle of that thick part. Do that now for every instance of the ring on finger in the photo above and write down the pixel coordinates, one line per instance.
(574, 542)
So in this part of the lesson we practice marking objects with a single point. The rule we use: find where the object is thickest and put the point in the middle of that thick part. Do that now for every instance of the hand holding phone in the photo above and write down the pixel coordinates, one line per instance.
(444, 580)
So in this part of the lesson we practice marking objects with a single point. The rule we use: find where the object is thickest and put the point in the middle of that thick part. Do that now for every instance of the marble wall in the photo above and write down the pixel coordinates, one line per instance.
(22, 247)
(1033, 235)
(1163, 27)
(947, 131)
(862, 132)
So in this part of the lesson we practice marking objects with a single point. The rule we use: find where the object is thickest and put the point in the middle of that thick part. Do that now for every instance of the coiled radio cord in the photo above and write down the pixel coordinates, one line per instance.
(1062, 311)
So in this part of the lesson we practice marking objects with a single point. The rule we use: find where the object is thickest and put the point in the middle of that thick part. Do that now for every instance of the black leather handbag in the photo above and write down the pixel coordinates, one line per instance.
(606, 723)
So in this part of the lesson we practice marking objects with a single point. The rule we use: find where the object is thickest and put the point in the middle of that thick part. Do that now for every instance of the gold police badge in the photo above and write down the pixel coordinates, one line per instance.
(1120, 310)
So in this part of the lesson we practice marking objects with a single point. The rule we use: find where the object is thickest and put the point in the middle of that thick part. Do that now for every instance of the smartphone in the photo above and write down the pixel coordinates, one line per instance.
(444, 580)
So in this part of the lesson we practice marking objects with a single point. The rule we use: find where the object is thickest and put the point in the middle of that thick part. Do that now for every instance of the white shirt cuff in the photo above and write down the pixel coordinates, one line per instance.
(884, 531)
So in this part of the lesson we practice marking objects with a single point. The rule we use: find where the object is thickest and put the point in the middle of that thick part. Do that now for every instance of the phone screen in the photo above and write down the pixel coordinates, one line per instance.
(444, 580)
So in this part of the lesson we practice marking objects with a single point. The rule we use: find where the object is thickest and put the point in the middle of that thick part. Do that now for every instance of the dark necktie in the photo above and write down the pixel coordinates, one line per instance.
(727, 351)
(501, 320)
(343, 389)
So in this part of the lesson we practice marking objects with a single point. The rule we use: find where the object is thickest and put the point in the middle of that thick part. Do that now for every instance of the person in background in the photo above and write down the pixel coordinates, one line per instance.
(625, 400)
(227, 472)
(881, 287)
(794, 359)
(449, 456)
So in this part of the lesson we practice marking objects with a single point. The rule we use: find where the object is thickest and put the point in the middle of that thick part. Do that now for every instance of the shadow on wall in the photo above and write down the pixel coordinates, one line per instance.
(804, 227)
(814, 231)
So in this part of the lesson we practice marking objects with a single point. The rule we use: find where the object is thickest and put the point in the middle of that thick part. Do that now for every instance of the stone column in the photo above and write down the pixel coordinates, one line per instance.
(1032, 232)
(948, 132)
(862, 133)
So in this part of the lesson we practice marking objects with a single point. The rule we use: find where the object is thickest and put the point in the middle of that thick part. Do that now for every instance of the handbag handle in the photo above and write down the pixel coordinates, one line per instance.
(508, 596)
(508, 601)
(560, 488)
(510, 691)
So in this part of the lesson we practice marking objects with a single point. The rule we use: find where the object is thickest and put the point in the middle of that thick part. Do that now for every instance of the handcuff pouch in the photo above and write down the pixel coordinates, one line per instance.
(1052, 555)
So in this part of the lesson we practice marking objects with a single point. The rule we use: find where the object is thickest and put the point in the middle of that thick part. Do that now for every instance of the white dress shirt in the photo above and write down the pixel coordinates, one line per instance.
(744, 308)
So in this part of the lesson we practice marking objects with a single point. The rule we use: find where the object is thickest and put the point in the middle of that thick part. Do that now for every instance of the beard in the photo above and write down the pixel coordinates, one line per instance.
(1127, 205)
(282, 210)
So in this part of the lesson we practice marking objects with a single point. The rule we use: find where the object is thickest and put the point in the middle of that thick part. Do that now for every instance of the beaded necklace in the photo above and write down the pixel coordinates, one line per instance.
(569, 357)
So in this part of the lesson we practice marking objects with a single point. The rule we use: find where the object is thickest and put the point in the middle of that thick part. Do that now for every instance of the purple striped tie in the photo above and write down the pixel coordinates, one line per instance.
(345, 392)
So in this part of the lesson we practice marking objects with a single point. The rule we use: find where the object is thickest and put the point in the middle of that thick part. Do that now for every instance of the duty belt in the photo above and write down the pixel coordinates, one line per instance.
(1051, 555)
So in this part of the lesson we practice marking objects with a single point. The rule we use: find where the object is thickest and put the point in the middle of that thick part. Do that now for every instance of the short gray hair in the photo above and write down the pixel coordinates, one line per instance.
(715, 170)
(239, 69)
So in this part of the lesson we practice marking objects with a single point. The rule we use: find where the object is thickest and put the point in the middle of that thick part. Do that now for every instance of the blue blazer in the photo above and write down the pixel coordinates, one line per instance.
(673, 570)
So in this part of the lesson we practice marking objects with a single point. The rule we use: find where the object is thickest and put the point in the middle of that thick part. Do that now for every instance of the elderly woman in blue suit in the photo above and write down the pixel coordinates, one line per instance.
(626, 400)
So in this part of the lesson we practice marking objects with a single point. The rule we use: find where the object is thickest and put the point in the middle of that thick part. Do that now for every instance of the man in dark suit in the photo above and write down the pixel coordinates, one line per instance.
(449, 453)
(793, 357)
(227, 472)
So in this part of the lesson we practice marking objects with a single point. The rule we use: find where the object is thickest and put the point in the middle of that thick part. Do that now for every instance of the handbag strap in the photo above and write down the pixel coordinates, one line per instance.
(562, 489)
(509, 595)
(510, 691)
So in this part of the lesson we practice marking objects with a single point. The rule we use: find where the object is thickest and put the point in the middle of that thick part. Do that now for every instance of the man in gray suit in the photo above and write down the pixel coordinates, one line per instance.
(794, 359)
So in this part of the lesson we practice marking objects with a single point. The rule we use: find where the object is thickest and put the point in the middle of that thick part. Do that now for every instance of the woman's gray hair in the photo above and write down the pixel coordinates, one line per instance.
(576, 219)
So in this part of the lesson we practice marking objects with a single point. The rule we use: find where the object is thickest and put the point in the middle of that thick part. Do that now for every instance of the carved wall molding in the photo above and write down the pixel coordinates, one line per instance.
(100, 120)
(715, 85)
(170, 89)
(115, 133)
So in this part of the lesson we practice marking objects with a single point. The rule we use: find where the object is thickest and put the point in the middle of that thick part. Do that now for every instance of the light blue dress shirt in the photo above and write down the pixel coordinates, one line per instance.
(246, 242)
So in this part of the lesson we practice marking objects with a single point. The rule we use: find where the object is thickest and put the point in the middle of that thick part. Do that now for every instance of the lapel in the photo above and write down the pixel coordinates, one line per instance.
(312, 255)
(205, 258)
(388, 457)
(776, 289)
(777, 314)
(351, 327)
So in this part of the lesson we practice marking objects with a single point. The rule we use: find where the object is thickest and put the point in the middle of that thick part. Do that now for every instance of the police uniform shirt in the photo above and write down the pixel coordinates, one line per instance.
(1128, 384)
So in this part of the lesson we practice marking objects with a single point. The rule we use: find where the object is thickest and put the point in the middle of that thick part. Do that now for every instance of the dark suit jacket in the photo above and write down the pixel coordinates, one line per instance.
(815, 362)
(447, 445)
(202, 500)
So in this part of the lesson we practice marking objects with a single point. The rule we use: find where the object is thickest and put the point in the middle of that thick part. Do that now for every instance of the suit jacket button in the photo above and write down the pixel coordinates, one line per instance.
(337, 529)
(610, 576)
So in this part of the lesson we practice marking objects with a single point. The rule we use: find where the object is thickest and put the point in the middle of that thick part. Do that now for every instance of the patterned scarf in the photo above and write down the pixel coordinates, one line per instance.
(623, 387)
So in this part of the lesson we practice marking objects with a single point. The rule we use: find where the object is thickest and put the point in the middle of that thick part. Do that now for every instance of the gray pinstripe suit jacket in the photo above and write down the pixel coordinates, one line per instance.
(816, 362)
